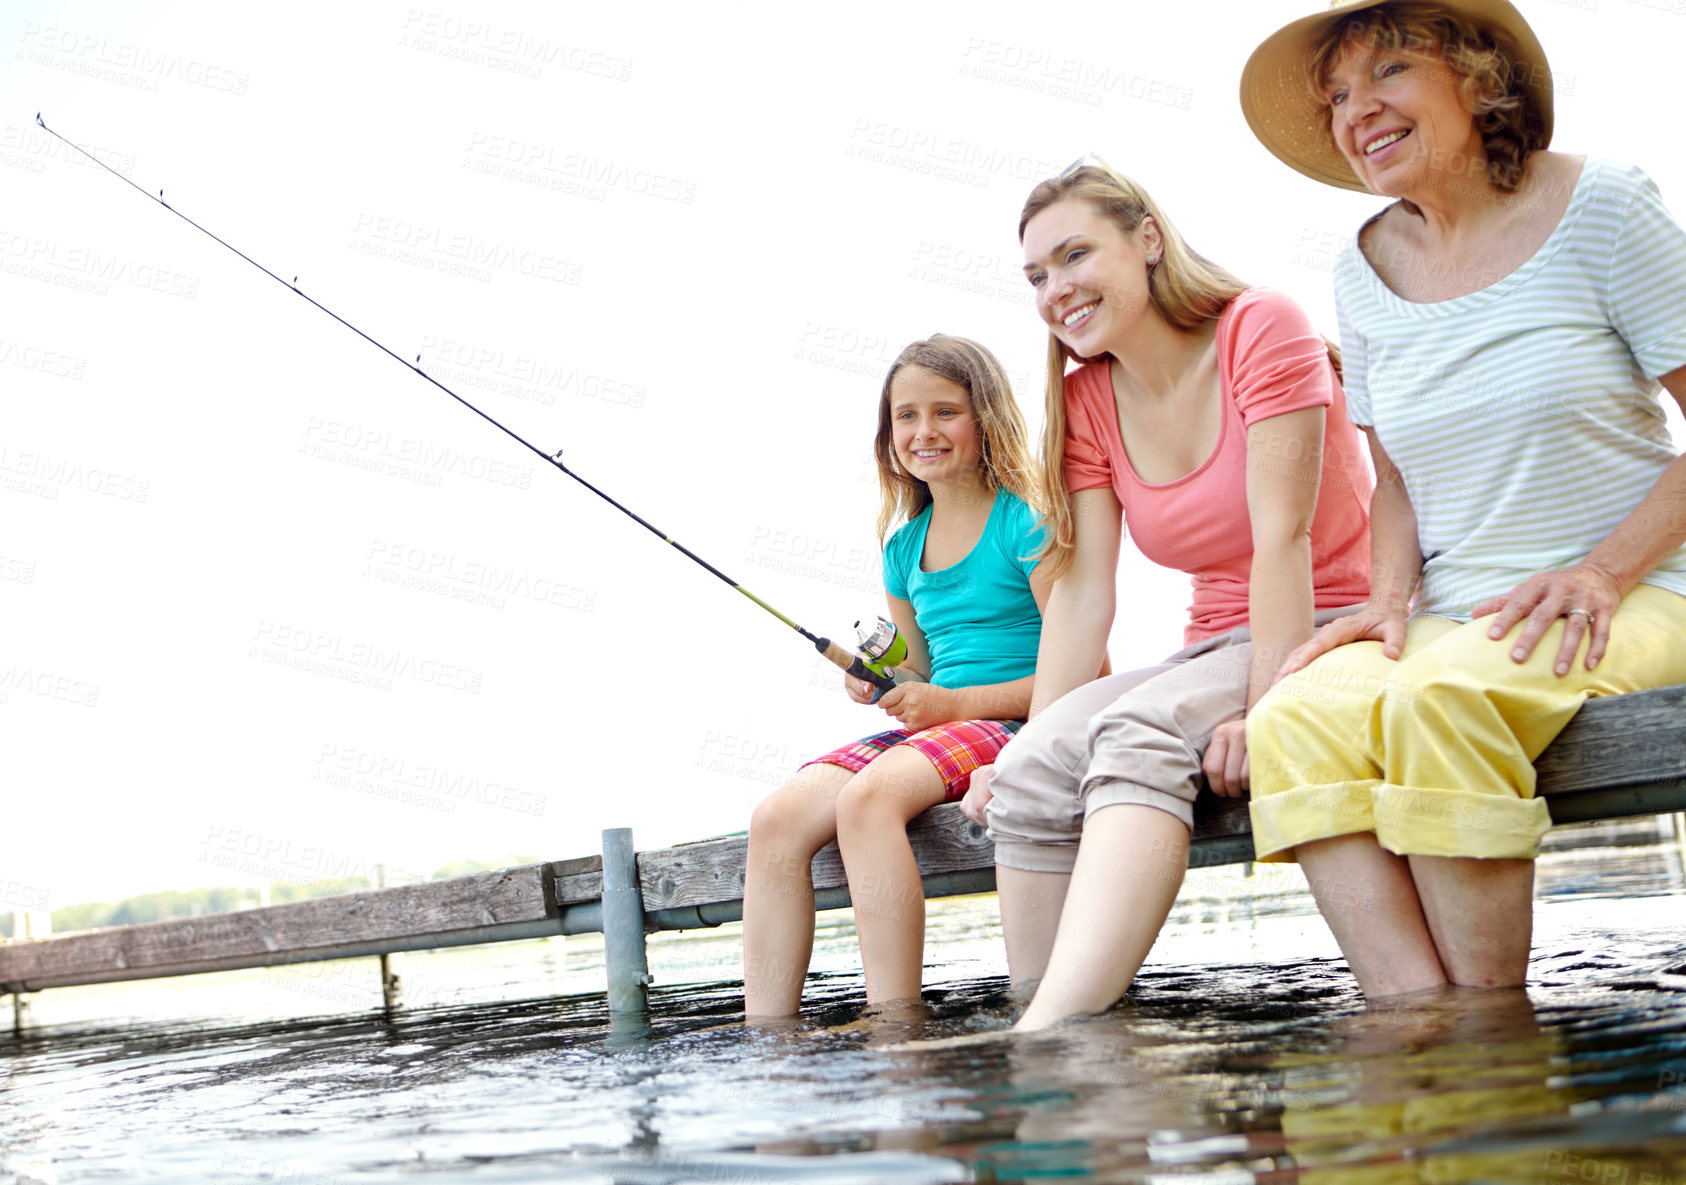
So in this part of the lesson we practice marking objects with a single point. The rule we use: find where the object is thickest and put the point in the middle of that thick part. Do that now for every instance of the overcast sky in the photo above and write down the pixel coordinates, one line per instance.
(274, 608)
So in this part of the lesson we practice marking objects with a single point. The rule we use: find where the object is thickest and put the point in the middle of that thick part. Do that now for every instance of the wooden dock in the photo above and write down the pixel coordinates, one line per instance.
(1622, 756)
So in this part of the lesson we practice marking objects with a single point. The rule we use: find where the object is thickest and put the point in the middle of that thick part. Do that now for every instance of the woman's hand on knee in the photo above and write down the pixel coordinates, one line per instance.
(1373, 623)
(977, 797)
(1225, 760)
(1586, 596)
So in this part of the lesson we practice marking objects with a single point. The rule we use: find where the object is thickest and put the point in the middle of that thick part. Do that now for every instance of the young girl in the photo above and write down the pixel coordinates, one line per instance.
(963, 590)
(1208, 415)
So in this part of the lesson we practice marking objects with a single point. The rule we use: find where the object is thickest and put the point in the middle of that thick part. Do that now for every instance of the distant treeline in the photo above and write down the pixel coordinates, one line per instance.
(153, 907)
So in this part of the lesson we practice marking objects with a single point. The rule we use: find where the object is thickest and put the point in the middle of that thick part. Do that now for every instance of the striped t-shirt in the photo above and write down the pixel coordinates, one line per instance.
(1525, 418)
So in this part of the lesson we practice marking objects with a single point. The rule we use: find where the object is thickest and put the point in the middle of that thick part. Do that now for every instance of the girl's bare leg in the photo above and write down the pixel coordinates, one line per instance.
(788, 827)
(1130, 865)
(873, 812)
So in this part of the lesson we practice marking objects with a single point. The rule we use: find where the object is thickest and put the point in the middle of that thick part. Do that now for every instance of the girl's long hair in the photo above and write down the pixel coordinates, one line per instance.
(1003, 443)
(1184, 287)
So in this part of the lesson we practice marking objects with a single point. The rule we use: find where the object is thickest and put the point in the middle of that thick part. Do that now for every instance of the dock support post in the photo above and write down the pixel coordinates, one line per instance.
(623, 924)
(20, 1012)
(392, 980)
(392, 963)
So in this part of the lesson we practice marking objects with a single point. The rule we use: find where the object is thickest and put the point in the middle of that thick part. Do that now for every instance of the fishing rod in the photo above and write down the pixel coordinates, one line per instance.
(884, 654)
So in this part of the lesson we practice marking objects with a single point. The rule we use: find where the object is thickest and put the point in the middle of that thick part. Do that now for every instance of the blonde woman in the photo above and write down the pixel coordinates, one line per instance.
(1205, 417)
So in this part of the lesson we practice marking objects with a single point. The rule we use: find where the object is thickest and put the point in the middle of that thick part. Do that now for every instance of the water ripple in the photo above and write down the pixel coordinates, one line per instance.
(1217, 1071)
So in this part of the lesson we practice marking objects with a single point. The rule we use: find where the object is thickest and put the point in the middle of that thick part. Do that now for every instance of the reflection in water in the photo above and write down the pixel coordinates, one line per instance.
(1242, 1055)
(1457, 1066)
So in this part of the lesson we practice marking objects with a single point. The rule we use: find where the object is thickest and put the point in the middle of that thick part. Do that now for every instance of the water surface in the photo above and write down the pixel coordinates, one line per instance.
(1242, 1055)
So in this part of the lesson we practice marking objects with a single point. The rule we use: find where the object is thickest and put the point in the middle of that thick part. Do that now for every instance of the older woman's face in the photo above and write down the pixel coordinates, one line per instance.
(1400, 121)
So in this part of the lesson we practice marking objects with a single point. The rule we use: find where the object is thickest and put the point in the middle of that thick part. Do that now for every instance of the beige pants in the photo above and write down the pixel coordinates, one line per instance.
(1135, 737)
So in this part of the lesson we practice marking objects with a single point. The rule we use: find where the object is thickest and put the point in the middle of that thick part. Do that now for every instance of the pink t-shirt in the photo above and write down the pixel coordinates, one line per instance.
(1270, 361)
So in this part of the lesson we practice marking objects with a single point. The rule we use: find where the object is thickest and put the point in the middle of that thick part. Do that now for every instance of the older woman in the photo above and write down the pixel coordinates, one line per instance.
(1506, 322)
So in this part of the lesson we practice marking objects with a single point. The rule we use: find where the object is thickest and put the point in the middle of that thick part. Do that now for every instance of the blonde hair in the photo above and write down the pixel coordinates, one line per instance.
(1184, 287)
(1004, 460)
(1510, 126)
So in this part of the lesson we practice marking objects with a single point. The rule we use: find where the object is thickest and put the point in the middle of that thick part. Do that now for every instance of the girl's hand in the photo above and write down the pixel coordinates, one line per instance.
(1586, 595)
(920, 705)
(978, 795)
(1225, 761)
(859, 689)
(1373, 623)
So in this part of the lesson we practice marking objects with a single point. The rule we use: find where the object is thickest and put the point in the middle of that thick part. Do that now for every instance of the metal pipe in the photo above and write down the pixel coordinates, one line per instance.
(623, 924)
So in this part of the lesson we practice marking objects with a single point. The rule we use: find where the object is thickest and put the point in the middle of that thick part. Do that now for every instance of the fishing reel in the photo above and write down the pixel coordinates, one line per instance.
(882, 650)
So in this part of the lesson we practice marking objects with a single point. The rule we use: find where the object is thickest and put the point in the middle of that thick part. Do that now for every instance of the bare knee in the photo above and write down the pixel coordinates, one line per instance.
(788, 825)
(888, 794)
(871, 805)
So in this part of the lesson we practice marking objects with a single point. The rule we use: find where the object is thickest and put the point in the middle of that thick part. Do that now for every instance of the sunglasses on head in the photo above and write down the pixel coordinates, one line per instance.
(1084, 161)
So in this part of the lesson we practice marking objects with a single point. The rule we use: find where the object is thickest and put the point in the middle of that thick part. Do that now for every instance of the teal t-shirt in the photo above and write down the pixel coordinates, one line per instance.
(979, 619)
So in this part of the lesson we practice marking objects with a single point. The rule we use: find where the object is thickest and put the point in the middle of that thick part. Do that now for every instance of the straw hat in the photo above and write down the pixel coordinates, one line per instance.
(1290, 121)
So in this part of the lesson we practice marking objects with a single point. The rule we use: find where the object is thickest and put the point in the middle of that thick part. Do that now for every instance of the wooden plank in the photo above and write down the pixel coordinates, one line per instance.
(710, 872)
(1619, 740)
(578, 880)
(254, 937)
(944, 841)
(502, 932)
(1219, 818)
(693, 873)
(1618, 802)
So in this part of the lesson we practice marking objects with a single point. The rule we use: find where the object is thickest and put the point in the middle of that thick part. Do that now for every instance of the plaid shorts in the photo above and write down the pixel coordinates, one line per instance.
(956, 749)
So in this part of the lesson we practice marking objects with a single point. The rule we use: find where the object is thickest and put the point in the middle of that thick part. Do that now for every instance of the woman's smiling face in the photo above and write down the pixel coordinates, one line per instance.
(1089, 274)
(1398, 116)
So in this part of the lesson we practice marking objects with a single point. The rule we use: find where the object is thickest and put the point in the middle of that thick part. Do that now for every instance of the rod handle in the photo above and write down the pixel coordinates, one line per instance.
(852, 664)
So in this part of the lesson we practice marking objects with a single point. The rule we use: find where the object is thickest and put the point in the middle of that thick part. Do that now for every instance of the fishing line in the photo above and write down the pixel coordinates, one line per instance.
(832, 651)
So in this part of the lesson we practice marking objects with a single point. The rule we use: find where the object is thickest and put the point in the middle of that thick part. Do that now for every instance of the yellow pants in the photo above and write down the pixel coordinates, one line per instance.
(1434, 753)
